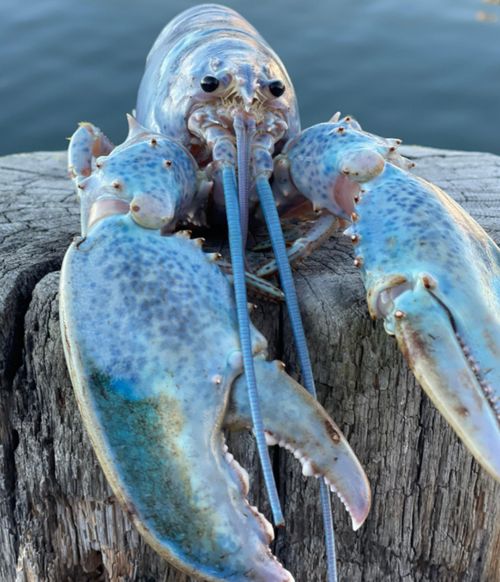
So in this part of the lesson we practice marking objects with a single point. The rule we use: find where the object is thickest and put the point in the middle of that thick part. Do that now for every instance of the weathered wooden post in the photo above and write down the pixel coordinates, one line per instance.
(435, 516)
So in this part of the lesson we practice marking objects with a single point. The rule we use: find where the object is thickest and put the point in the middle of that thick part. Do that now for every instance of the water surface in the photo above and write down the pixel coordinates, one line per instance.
(427, 71)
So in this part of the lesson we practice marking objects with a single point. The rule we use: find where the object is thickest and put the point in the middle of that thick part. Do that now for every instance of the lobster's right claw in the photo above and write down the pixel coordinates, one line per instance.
(155, 361)
(301, 425)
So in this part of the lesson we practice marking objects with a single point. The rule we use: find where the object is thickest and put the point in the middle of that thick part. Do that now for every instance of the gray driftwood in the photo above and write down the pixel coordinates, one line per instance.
(435, 516)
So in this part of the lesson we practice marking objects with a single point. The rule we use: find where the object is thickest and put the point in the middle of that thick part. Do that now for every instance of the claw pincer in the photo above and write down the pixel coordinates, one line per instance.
(151, 341)
(431, 272)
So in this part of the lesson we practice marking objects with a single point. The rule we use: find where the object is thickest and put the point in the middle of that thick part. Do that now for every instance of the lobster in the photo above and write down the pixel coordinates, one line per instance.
(215, 99)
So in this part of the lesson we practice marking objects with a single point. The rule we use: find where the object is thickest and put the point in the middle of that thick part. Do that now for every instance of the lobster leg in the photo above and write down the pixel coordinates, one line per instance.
(256, 284)
(302, 426)
(321, 231)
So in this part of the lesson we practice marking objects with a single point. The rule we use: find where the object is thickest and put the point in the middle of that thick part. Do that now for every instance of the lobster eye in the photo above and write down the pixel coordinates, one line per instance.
(209, 84)
(277, 88)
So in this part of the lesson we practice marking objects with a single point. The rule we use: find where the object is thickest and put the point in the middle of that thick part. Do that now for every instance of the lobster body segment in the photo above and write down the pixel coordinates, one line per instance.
(209, 40)
(151, 175)
(212, 82)
(431, 272)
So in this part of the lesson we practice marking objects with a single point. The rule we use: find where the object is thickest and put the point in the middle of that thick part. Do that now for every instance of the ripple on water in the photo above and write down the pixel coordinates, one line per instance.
(420, 70)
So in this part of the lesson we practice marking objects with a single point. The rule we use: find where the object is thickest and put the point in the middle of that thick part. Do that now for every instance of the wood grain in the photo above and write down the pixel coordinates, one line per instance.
(435, 515)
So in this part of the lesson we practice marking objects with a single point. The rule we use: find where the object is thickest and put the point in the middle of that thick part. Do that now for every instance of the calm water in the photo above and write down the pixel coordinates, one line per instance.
(427, 71)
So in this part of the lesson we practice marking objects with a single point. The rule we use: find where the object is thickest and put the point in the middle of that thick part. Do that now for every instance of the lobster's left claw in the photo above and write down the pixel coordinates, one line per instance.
(431, 272)
(461, 388)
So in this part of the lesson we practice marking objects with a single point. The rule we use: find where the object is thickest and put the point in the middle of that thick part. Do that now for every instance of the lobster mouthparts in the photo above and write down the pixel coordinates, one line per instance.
(152, 345)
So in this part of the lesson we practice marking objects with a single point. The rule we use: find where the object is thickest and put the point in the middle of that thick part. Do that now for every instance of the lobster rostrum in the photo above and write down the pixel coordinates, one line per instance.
(157, 367)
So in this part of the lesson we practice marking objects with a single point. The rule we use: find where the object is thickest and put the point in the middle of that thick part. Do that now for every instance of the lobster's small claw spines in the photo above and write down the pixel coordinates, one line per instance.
(213, 257)
(361, 165)
(393, 142)
(302, 426)
(152, 211)
(400, 161)
(135, 129)
(100, 161)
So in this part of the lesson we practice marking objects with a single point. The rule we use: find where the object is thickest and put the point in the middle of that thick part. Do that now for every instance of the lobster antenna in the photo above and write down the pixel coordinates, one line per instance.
(243, 132)
(240, 292)
(279, 247)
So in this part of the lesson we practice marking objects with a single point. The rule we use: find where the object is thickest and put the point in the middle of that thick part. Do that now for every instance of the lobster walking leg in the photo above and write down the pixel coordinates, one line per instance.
(301, 248)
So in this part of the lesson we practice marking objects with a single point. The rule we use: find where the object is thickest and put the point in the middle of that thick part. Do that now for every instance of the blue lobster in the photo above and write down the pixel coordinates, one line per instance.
(170, 359)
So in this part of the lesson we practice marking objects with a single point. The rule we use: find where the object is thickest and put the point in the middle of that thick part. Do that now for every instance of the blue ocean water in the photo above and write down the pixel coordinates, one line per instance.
(426, 71)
